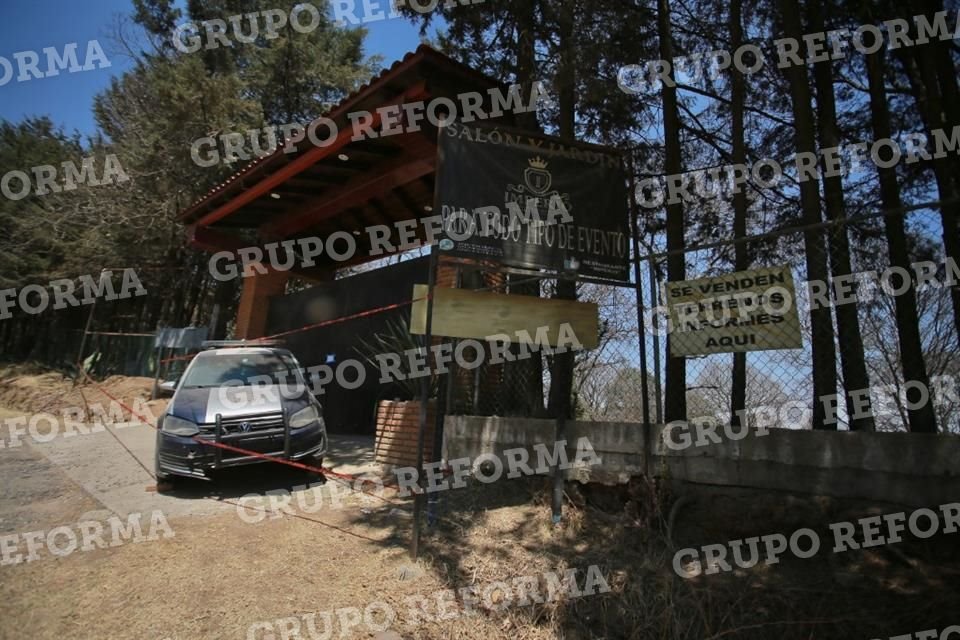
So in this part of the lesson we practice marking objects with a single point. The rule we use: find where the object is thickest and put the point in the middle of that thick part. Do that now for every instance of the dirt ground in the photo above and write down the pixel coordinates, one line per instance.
(219, 575)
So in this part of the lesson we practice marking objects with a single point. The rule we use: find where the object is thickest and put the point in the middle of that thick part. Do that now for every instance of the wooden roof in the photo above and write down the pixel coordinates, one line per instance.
(347, 185)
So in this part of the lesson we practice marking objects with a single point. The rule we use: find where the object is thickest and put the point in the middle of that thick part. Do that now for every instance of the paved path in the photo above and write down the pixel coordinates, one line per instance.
(34, 493)
(115, 481)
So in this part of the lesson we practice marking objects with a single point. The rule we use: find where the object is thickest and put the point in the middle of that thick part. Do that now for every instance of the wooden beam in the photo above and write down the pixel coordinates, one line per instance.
(308, 159)
(371, 148)
(384, 215)
(300, 194)
(273, 205)
(355, 193)
(340, 168)
(213, 241)
(312, 181)
(361, 215)
(407, 200)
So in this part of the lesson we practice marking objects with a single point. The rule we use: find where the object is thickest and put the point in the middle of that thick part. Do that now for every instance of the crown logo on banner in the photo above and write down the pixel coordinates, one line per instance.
(537, 183)
(537, 177)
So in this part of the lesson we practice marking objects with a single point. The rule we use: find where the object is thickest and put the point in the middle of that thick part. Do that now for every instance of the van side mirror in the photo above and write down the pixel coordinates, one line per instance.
(167, 387)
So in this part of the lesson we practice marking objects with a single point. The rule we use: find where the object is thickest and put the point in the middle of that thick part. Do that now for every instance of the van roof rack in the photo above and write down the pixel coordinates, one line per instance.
(223, 344)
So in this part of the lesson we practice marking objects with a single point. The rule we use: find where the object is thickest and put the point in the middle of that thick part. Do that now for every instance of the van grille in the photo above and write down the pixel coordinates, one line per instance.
(257, 422)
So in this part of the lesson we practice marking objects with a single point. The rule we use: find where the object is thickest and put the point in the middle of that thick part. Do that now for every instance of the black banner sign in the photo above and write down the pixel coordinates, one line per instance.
(532, 201)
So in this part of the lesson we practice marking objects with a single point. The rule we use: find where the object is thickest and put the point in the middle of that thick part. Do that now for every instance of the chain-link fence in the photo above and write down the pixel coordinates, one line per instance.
(106, 354)
(512, 383)
(869, 342)
(606, 379)
(877, 327)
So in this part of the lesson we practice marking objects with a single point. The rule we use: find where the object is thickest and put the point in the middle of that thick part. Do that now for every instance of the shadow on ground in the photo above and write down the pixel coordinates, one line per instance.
(349, 455)
(496, 532)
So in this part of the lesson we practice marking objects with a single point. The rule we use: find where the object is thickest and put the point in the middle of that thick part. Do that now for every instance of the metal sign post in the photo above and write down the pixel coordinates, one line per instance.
(418, 499)
(424, 399)
(156, 376)
(641, 326)
(86, 331)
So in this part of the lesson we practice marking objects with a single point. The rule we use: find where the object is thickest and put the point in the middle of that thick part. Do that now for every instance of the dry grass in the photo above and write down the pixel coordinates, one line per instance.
(496, 533)
(214, 579)
(34, 390)
(220, 575)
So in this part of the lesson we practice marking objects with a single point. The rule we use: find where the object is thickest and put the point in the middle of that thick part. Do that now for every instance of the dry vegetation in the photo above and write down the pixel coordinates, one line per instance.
(34, 389)
(219, 575)
(493, 534)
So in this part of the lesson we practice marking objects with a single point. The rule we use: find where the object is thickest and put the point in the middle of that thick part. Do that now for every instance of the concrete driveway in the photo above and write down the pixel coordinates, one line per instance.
(112, 475)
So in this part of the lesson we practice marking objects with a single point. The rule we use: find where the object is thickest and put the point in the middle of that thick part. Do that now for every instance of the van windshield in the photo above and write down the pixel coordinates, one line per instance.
(242, 370)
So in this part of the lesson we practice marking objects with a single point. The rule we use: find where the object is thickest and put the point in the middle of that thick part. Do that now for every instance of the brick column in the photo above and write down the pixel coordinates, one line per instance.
(446, 273)
(254, 302)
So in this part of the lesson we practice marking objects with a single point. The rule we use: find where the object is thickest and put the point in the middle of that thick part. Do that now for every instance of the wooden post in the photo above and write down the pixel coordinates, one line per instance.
(560, 435)
(156, 376)
(83, 340)
(424, 398)
(444, 397)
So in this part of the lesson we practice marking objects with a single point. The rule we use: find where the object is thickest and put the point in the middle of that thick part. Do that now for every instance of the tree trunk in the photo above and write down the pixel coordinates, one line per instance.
(824, 350)
(741, 259)
(921, 420)
(561, 374)
(198, 289)
(526, 375)
(852, 361)
(921, 71)
(946, 73)
(676, 370)
(222, 304)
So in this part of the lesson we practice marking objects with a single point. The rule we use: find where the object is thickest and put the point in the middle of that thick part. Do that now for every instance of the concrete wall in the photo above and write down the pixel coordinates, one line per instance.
(617, 444)
(909, 469)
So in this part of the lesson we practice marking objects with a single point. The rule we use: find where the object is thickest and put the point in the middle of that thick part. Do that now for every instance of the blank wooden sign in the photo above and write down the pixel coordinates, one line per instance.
(458, 313)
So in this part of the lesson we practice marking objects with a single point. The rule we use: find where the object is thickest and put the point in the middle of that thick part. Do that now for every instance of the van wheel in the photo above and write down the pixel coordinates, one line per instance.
(166, 483)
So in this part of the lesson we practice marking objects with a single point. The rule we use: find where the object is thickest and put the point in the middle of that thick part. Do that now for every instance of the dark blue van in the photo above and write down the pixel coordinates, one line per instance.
(251, 398)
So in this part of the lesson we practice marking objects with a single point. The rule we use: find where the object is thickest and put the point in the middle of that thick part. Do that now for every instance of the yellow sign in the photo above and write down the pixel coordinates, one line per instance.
(458, 313)
(752, 310)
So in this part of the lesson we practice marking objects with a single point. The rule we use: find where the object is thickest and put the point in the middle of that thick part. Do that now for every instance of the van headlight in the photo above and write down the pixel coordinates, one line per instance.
(305, 417)
(179, 426)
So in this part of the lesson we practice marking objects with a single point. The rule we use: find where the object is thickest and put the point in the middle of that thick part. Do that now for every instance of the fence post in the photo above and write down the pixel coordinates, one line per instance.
(654, 303)
(156, 376)
(424, 398)
(83, 339)
(444, 386)
(641, 326)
